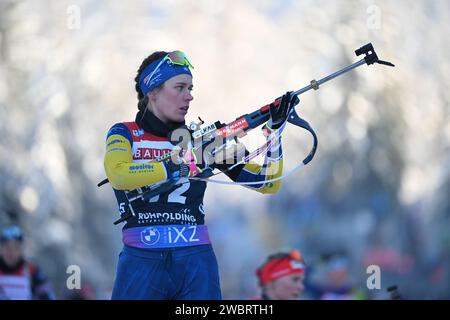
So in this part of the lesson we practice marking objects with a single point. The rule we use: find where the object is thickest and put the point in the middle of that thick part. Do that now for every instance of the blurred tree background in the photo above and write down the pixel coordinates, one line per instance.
(377, 190)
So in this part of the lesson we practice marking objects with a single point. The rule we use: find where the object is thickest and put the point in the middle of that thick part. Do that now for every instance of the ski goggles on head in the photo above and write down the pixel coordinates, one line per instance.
(11, 233)
(179, 58)
(172, 64)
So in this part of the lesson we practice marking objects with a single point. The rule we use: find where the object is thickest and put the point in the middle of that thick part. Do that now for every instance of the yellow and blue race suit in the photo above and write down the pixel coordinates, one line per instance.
(170, 224)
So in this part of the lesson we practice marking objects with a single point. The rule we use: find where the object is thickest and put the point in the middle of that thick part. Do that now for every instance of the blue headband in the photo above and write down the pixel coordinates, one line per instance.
(158, 72)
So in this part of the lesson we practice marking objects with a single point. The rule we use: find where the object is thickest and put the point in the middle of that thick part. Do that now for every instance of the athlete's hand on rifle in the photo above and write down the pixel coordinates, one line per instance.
(184, 167)
(185, 163)
(280, 112)
(191, 166)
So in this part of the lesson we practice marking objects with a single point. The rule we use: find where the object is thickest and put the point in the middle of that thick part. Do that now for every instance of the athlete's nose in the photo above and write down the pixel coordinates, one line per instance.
(189, 96)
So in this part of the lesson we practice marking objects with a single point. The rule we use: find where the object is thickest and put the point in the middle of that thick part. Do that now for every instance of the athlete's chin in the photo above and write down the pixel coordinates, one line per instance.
(178, 118)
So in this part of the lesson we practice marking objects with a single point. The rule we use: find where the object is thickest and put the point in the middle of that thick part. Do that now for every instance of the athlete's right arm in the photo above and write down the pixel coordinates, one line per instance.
(122, 173)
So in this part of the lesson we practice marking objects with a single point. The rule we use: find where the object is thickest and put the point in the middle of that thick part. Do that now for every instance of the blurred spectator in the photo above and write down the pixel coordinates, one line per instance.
(334, 282)
(389, 259)
(281, 276)
(19, 278)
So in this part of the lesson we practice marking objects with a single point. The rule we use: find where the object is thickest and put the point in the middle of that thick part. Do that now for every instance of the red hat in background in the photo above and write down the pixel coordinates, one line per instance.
(280, 266)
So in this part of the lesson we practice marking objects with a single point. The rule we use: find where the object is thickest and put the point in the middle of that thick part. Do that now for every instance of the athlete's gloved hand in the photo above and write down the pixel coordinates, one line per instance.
(190, 167)
(279, 113)
(188, 161)
(184, 166)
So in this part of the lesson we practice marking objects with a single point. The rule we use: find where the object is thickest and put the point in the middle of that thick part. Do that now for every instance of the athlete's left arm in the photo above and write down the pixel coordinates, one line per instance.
(273, 163)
